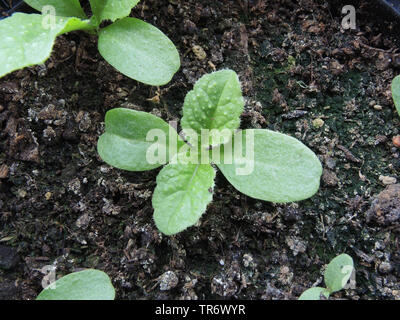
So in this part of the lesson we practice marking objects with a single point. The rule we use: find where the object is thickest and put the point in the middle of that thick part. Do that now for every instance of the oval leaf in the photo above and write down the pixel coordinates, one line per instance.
(27, 42)
(111, 9)
(140, 51)
(396, 92)
(281, 169)
(182, 195)
(124, 144)
(83, 285)
(338, 272)
(215, 102)
(314, 294)
(63, 8)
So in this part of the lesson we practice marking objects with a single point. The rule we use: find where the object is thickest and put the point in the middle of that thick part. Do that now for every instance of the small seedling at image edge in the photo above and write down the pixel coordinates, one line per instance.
(135, 48)
(282, 168)
(396, 93)
(336, 276)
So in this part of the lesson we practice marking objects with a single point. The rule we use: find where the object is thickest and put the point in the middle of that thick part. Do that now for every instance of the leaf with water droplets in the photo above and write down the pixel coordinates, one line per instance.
(215, 102)
(111, 9)
(126, 143)
(63, 8)
(271, 166)
(27, 40)
(182, 195)
(140, 51)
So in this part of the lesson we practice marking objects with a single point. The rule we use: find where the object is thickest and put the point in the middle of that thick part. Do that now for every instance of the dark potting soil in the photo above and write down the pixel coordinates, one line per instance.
(302, 74)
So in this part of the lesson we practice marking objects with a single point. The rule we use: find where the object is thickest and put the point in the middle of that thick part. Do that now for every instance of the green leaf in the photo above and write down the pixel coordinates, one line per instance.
(83, 285)
(182, 195)
(275, 167)
(215, 102)
(63, 8)
(124, 145)
(27, 42)
(396, 92)
(111, 9)
(139, 51)
(74, 24)
(338, 272)
(314, 294)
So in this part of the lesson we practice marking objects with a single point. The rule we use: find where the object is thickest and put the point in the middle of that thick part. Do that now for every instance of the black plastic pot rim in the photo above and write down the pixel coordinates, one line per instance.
(392, 5)
(9, 11)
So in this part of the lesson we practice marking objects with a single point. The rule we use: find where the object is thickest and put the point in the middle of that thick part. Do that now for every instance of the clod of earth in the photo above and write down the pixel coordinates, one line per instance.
(385, 209)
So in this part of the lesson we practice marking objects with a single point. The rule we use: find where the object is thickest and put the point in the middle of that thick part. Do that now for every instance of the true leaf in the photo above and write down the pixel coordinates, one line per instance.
(111, 9)
(182, 195)
(74, 24)
(215, 102)
(314, 294)
(124, 145)
(27, 42)
(338, 272)
(63, 8)
(83, 285)
(396, 92)
(283, 169)
(139, 50)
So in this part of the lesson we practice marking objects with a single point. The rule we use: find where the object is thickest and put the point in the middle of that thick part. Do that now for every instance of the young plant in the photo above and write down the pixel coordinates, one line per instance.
(396, 92)
(336, 276)
(276, 167)
(132, 46)
(83, 285)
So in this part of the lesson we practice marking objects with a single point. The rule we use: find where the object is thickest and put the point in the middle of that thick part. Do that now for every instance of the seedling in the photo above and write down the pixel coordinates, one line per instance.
(396, 92)
(336, 276)
(275, 167)
(83, 285)
(134, 47)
